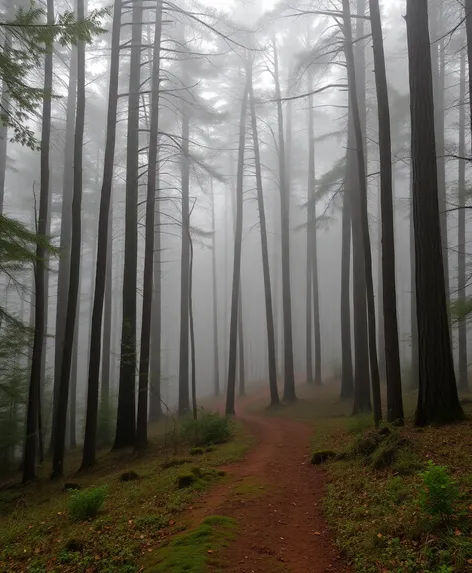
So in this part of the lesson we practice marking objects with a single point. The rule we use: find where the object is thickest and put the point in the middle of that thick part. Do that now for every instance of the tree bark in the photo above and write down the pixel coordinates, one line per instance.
(468, 29)
(357, 127)
(126, 416)
(389, 294)
(413, 320)
(242, 368)
(272, 358)
(461, 243)
(437, 397)
(216, 367)
(192, 328)
(289, 375)
(89, 453)
(33, 416)
(233, 331)
(141, 429)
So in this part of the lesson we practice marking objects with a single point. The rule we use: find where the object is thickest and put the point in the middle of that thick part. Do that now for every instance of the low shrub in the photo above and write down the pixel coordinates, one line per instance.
(439, 492)
(322, 456)
(197, 451)
(209, 428)
(85, 504)
(186, 479)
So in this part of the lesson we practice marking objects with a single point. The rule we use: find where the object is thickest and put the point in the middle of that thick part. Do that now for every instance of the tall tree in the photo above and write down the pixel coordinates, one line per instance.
(216, 367)
(126, 415)
(389, 294)
(104, 237)
(236, 283)
(437, 397)
(74, 272)
(361, 166)
(461, 243)
(272, 358)
(468, 29)
(141, 428)
(33, 417)
(289, 374)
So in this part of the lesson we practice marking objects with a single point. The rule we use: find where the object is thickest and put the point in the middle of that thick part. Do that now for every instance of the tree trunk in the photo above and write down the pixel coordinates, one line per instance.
(192, 328)
(357, 127)
(141, 428)
(389, 294)
(461, 243)
(73, 386)
(74, 274)
(413, 320)
(380, 316)
(33, 415)
(347, 376)
(104, 226)
(289, 375)
(468, 28)
(5, 107)
(126, 416)
(242, 369)
(233, 330)
(66, 226)
(216, 367)
(272, 358)
(437, 397)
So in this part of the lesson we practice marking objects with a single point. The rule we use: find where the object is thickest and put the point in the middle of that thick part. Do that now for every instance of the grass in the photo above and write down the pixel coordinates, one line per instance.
(191, 552)
(376, 515)
(138, 517)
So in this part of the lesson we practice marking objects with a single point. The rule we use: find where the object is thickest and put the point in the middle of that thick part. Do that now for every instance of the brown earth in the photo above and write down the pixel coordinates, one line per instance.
(275, 496)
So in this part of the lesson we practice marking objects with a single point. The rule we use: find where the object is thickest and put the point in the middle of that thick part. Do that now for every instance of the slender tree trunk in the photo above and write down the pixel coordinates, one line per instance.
(216, 367)
(468, 29)
(126, 416)
(73, 385)
(461, 244)
(231, 387)
(242, 368)
(380, 316)
(347, 376)
(141, 429)
(289, 375)
(192, 328)
(33, 415)
(90, 440)
(356, 119)
(437, 397)
(155, 406)
(66, 226)
(413, 320)
(74, 274)
(272, 358)
(184, 398)
(389, 294)
(5, 107)
(309, 282)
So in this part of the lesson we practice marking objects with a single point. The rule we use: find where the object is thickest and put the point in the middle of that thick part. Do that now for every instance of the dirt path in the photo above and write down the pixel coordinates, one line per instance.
(275, 496)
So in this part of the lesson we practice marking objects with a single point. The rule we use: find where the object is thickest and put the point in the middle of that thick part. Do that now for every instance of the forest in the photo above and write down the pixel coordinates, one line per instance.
(234, 240)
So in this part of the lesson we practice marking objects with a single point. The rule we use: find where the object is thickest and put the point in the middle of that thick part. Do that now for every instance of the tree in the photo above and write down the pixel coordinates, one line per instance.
(141, 428)
(361, 166)
(102, 260)
(216, 367)
(468, 28)
(236, 283)
(74, 274)
(289, 375)
(272, 359)
(389, 294)
(437, 397)
(126, 416)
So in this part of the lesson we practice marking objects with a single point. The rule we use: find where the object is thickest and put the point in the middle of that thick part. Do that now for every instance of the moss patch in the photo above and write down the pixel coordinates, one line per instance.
(192, 552)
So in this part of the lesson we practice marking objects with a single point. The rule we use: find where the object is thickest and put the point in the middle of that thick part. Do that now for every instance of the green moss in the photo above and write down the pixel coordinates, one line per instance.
(186, 479)
(193, 551)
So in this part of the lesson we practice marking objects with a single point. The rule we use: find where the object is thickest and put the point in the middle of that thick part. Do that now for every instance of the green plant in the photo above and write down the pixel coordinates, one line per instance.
(439, 492)
(209, 428)
(84, 504)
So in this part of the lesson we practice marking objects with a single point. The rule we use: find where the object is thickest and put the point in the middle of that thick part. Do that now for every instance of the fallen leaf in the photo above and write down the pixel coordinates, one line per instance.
(457, 532)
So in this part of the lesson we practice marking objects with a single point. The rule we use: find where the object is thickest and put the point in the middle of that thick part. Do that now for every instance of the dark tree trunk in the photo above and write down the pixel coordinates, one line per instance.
(155, 403)
(66, 226)
(361, 166)
(468, 28)
(313, 235)
(126, 415)
(184, 398)
(461, 244)
(216, 367)
(5, 107)
(437, 397)
(141, 428)
(104, 226)
(272, 359)
(192, 328)
(74, 274)
(289, 375)
(233, 330)
(414, 322)
(347, 376)
(33, 416)
(242, 369)
(380, 316)
(389, 293)
(309, 285)
(73, 385)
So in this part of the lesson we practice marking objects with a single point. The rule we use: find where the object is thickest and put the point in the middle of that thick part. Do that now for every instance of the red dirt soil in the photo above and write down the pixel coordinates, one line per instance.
(278, 504)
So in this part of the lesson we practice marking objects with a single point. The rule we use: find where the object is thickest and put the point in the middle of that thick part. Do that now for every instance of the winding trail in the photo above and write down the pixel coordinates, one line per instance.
(275, 496)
